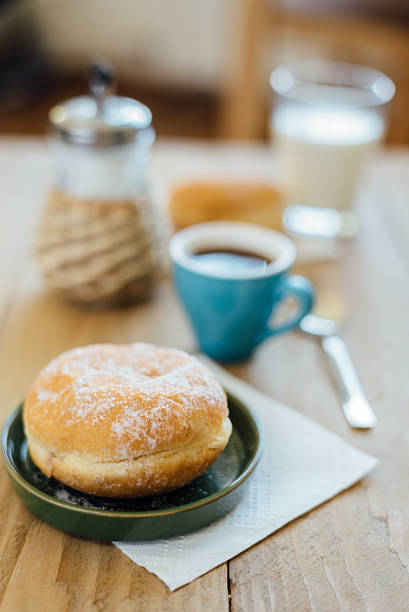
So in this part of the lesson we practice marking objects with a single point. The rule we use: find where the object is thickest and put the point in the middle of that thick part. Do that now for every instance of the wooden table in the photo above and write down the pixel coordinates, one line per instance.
(351, 553)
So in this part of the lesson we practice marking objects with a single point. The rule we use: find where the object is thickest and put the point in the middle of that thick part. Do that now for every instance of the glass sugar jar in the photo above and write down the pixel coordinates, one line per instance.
(98, 241)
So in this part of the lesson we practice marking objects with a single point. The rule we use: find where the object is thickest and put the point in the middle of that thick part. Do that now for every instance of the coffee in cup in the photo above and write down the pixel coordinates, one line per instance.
(231, 277)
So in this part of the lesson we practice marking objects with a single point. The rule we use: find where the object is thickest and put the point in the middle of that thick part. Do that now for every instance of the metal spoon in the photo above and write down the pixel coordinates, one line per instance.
(357, 410)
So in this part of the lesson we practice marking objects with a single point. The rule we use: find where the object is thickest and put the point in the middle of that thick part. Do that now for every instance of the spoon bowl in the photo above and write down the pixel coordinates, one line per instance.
(318, 326)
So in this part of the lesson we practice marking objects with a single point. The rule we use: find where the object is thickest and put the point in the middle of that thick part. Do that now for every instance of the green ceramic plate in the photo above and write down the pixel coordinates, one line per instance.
(203, 501)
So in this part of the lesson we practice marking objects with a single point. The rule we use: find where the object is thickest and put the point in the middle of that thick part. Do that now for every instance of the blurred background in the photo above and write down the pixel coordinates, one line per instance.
(202, 67)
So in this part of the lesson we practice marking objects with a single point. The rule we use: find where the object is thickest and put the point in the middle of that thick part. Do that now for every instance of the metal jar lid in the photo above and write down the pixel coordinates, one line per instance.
(101, 119)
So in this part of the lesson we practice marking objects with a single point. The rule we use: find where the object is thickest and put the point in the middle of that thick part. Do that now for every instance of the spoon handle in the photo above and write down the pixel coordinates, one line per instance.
(357, 410)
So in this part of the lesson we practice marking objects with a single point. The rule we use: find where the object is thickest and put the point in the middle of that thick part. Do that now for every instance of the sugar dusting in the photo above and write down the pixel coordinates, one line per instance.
(133, 389)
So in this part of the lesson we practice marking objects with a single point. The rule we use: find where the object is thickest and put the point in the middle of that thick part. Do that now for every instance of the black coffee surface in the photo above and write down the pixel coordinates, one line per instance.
(217, 260)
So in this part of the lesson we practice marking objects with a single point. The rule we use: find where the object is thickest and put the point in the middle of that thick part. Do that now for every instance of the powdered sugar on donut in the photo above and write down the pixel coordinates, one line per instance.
(137, 398)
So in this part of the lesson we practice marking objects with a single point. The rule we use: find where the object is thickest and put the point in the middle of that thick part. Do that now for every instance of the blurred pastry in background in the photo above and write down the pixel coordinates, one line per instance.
(249, 201)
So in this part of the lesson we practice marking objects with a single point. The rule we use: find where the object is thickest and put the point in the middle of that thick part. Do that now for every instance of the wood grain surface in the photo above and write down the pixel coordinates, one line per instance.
(352, 553)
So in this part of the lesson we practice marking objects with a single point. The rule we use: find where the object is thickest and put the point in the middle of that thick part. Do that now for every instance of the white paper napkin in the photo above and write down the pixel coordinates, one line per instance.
(302, 466)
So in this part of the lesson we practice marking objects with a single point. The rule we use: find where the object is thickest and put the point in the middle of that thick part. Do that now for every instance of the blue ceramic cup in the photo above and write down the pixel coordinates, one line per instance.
(231, 308)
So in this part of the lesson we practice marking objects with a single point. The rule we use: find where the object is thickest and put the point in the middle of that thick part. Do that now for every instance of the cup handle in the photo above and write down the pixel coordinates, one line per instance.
(302, 290)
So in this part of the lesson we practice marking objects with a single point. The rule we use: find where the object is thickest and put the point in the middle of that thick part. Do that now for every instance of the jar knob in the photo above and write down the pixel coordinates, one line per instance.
(101, 78)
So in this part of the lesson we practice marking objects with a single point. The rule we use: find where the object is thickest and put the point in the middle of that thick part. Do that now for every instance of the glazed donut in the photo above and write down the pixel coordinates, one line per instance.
(125, 420)
(242, 200)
